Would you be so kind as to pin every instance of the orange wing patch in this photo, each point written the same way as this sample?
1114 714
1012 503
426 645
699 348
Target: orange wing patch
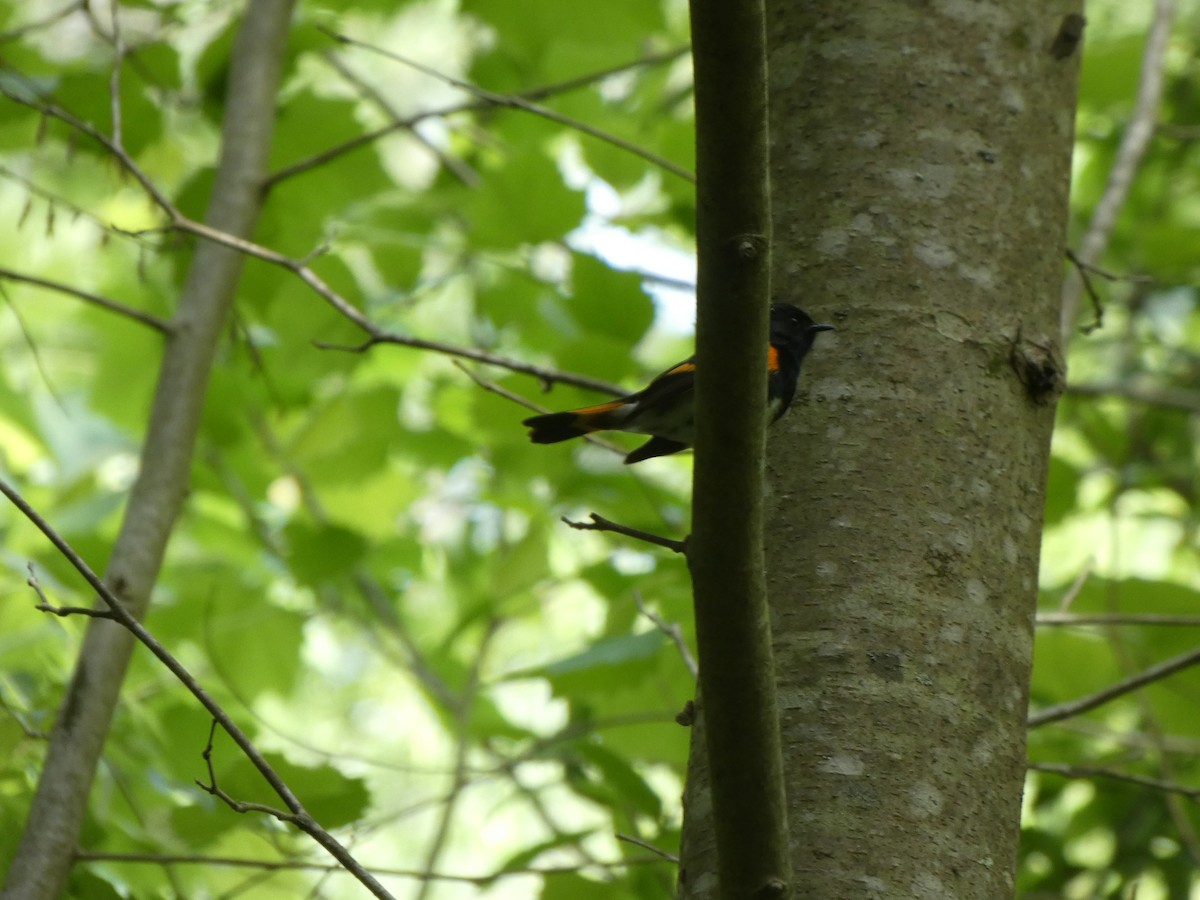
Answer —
680 369
772 359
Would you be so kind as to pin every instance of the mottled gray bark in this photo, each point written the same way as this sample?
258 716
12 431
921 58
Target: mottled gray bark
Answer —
920 170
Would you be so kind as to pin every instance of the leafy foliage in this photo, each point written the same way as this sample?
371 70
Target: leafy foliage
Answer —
371 574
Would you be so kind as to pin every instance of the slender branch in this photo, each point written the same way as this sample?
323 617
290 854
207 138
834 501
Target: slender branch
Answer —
77 212
1133 147
45 605
1148 676
51 832
599 523
137 315
1152 395
44 22
460 169
671 630
498 390
34 734
1135 739
1150 619
238 806
1176 132
34 352
638 842
122 616
410 123
1158 784
515 101
1085 279
269 865
545 375
460 779
1076 587
114 82
504 392
55 111
1107 274
739 728
1148 716
299 267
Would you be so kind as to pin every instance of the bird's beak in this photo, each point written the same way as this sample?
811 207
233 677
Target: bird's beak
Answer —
821 328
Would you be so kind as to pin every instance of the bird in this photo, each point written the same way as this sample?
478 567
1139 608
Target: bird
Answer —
664 409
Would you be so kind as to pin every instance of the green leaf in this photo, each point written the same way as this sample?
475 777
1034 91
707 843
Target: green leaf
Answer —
349 435
529 855
568 886
549 41
141 116
320 553
1062 484
608 652
523 202
627 786
609 302
255 645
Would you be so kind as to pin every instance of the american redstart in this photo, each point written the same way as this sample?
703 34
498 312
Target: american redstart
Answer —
664 408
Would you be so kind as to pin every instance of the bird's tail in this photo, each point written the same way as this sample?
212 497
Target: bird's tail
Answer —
562 426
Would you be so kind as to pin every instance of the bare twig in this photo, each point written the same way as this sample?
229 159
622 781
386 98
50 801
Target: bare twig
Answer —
410 123
1138 392
461 170
1077 707
1157 784
504 392
498 390
1072 593
34 352
1129 156
17 716
671 630
1177 132
299 816
514 101
1180 817
179 222
638 842
1107 274
237 806
144 318
599 523
273 865
1149 619
44 22
1085 279
546 376
77 212
33 101
114 82
44 604
460 780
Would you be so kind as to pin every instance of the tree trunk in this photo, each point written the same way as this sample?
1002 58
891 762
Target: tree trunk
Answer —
48 843
920 171
725 549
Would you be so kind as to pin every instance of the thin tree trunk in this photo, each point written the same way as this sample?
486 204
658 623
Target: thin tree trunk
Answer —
725 550
920 170
49 841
